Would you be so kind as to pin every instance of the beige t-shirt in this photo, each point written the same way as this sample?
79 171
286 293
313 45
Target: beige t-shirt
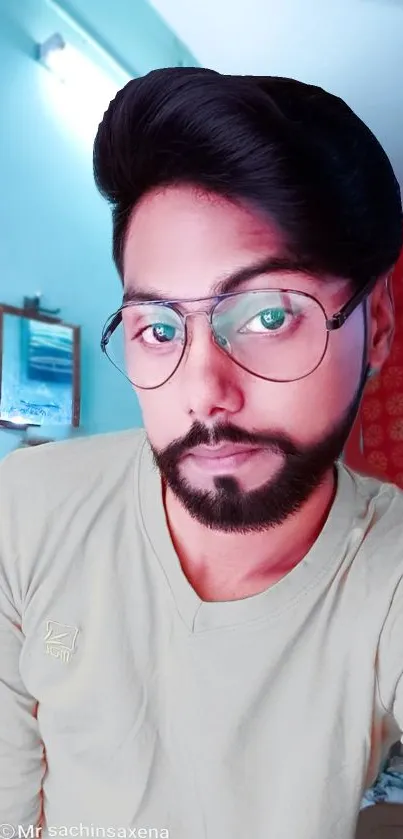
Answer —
135 709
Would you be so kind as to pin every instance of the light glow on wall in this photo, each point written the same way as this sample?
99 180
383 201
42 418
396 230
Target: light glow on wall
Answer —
83 90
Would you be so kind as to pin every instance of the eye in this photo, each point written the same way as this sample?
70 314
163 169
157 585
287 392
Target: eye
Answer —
268 320
222 341
158 333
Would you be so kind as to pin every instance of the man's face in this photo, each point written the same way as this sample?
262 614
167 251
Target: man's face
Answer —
280 438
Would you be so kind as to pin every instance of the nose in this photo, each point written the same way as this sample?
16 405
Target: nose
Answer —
210 381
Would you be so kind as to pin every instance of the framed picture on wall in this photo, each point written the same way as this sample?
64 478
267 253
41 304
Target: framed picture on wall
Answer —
39 370
48 351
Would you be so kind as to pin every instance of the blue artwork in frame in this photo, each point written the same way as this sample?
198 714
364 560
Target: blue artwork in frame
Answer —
40 371
49 352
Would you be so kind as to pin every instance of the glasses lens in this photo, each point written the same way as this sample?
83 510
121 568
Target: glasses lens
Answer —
147 345
275 334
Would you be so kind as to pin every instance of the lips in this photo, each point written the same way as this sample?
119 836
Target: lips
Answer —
218 460
224 451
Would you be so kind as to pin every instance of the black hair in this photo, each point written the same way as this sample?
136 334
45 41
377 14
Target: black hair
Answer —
291 150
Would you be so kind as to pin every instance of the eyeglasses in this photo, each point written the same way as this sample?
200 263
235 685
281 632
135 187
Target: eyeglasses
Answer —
279 335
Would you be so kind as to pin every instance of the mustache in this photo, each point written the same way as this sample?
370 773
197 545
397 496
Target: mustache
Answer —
201 435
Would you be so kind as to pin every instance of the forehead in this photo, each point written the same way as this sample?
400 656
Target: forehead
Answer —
185 243
183 235
198 212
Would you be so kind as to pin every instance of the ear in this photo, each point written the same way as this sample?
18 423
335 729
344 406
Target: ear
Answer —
381 323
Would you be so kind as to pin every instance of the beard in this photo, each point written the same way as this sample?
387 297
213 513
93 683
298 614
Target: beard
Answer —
230 508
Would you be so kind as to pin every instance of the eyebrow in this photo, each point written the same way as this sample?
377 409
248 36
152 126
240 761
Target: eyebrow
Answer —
271 265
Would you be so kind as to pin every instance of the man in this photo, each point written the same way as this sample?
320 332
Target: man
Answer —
202 623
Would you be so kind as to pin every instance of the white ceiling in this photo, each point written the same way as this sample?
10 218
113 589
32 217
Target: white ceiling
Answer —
353 48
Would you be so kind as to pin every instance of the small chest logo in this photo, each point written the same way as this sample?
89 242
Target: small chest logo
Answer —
60 640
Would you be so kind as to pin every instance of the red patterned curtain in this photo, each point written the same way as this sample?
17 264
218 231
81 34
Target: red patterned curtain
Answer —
375 446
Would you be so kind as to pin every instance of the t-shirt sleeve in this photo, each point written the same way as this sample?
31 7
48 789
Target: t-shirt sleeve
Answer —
22 762
390 659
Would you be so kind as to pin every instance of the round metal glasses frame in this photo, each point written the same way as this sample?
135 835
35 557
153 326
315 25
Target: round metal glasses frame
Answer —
336 321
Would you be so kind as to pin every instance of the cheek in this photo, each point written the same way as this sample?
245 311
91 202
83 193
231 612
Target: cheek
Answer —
342 366
308 408
161 416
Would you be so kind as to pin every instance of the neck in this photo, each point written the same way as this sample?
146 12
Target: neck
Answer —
231 566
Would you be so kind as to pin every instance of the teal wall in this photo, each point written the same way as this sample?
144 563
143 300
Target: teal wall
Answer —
55 231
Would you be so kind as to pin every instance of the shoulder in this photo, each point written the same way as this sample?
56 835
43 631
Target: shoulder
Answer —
50 472
378 587
52 492
378 526
383 498
371 486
